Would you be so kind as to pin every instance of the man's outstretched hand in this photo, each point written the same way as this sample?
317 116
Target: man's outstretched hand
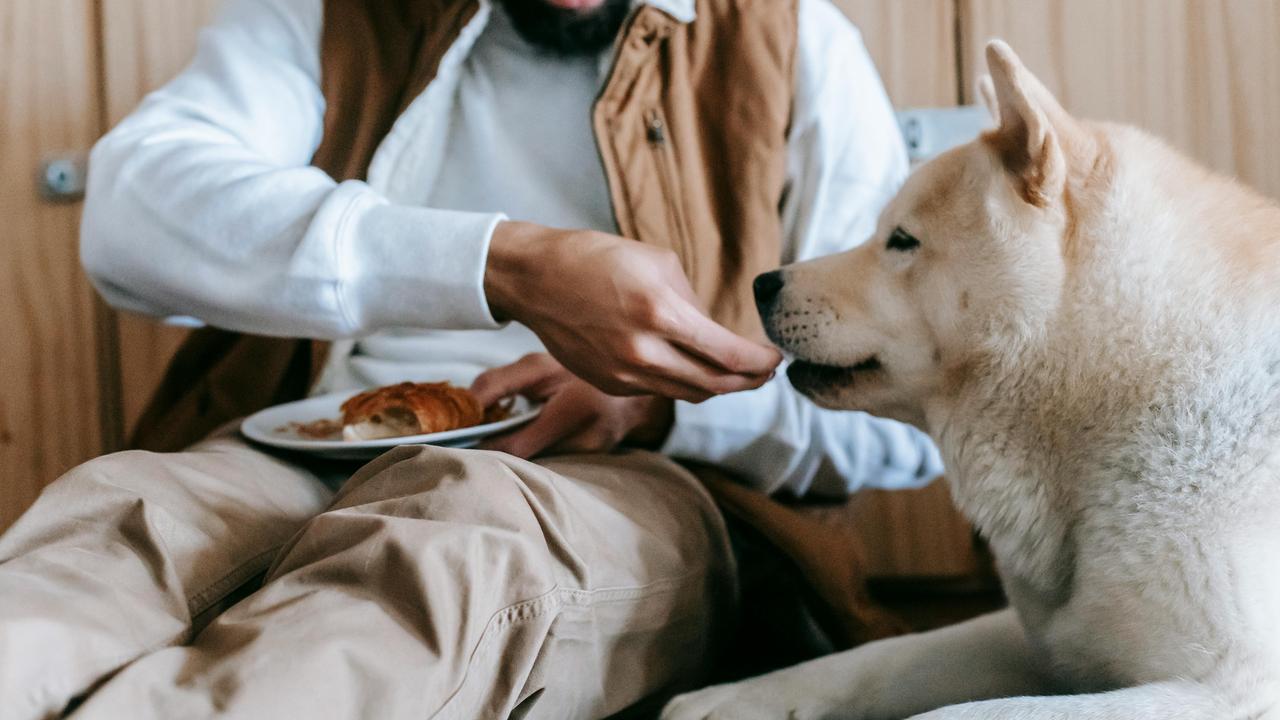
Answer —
575 418
617 313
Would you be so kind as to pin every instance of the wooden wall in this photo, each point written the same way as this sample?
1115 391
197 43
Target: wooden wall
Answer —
1203 74
50 323
913 43
145 42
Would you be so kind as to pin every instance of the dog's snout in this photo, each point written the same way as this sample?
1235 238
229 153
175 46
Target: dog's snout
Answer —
766 288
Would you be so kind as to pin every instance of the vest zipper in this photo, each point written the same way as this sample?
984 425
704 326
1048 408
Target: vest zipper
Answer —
623 34
655 131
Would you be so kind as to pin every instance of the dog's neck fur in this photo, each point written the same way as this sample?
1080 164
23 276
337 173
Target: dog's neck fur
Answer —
1069 421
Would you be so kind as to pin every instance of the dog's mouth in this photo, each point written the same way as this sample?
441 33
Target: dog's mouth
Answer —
806 375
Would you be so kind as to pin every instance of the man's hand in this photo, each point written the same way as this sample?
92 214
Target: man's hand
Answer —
576 417
618 313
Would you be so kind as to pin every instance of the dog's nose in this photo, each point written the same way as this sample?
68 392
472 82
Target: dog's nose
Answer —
766 288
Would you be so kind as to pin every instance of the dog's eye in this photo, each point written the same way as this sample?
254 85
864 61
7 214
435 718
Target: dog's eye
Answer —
902 241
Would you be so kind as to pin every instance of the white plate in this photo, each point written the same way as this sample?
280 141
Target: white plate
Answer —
272 427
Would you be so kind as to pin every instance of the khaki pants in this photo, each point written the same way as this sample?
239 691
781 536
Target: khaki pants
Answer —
435 584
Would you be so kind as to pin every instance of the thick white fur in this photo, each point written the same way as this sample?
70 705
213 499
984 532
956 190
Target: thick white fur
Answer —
1090 330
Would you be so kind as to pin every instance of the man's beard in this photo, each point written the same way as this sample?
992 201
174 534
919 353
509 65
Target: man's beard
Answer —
567 32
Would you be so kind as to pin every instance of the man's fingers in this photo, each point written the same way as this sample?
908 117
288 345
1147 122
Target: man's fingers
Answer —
654 368
676 373
722 348
663 387
723 384
522 375
557 421
716 344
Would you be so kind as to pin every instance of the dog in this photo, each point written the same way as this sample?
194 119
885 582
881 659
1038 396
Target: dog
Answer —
1088 325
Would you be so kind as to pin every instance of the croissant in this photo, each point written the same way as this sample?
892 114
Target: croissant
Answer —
409 409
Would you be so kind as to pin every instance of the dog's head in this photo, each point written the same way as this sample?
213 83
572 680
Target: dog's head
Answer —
967 262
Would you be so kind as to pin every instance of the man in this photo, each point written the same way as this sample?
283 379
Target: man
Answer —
455 137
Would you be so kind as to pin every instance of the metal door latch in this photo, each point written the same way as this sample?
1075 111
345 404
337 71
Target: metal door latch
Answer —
62 178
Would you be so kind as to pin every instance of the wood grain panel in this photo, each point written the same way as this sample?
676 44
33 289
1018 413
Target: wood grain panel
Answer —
49 397
918 532
1203 74
145 43
914 533
913 45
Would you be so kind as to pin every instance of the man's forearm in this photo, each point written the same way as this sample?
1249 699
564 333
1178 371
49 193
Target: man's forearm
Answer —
202 203
203 227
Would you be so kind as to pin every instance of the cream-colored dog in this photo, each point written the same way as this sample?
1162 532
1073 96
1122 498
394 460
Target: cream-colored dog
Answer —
1088 325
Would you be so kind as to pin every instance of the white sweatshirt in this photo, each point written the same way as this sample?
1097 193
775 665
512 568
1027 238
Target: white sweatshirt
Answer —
202 204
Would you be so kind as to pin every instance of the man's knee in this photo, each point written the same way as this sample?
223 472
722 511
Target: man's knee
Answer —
131 472
102 491
419 506
121 478
466 486
163 504
444 516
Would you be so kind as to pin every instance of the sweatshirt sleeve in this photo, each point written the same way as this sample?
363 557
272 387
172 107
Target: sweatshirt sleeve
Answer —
846 160
202 203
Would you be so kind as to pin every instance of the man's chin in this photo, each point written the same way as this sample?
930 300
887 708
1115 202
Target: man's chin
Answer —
569 28
576 5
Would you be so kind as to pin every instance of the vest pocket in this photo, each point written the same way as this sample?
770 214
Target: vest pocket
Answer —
657 136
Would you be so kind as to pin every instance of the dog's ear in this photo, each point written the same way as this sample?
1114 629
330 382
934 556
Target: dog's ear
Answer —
1028 139
987 93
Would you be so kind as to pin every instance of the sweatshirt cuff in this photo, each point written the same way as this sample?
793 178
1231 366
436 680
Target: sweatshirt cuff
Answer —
403 266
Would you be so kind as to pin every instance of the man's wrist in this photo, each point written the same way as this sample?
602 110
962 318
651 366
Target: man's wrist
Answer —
507 269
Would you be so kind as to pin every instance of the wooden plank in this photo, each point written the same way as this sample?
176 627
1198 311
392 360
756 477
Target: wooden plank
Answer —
49 398
145 43
146 347
1203 74
913 45
914 533
918 532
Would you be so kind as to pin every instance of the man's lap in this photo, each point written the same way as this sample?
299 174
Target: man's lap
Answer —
590 532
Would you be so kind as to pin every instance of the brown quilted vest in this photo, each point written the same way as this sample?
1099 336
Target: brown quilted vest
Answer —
691 126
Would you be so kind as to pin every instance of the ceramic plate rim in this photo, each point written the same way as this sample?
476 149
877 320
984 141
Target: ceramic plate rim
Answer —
254 428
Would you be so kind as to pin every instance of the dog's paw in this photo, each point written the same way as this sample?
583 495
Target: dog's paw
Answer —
750 700
718 702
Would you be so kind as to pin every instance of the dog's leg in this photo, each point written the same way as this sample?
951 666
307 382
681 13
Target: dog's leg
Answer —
986 657
1172 700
